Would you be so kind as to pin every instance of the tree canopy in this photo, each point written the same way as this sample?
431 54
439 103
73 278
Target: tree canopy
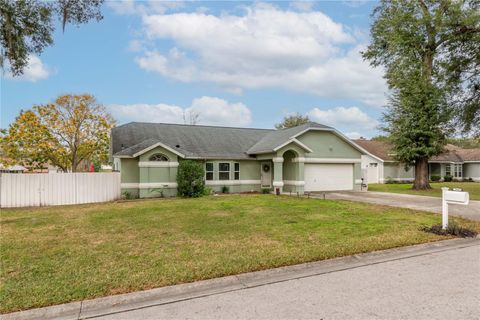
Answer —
291 121
27 26
429 50
63 133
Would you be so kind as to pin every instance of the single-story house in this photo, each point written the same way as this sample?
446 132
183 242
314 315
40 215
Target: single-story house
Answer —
379 165
310 157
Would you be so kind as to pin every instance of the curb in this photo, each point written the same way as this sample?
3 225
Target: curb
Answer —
88 309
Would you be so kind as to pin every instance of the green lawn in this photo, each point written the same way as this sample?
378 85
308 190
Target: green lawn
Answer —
54 255
472 187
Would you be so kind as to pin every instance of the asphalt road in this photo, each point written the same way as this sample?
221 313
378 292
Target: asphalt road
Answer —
431 285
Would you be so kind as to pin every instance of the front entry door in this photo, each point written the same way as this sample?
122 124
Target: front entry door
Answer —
266 174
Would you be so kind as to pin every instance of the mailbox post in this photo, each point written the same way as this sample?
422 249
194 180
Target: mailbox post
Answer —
452 197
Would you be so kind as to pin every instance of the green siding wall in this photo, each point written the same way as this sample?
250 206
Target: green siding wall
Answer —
328 145
129 171
397 171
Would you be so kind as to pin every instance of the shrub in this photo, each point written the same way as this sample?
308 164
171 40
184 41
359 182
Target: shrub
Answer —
225 189
128 196
452 229
448 178
266 191
390 181
208 191
190 179
435 178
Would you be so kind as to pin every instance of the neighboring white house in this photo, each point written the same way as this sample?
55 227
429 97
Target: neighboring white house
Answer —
379 166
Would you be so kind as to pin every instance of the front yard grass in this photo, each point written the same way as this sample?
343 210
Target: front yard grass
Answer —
472 187
54 255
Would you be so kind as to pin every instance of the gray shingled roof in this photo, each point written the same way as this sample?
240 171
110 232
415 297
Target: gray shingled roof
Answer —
205 142
192 141
278 137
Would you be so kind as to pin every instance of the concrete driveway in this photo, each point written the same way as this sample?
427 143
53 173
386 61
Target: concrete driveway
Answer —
423 203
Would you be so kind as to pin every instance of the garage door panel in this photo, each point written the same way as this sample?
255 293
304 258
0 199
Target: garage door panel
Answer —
328 177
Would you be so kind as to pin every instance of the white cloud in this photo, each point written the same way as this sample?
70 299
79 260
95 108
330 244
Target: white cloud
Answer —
354 135
266 47
210 111
34 71
342 117
134 7
302 5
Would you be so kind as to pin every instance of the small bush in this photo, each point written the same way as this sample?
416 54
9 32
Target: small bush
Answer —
208 191
390 181
435 178
128 196
266 191
190 179
448 178
225 189
452 229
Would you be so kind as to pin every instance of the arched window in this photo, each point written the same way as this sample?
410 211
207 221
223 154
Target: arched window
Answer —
158 157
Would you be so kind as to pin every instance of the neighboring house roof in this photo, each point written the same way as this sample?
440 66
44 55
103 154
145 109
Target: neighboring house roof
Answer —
469 154
207 142
383 150
380 149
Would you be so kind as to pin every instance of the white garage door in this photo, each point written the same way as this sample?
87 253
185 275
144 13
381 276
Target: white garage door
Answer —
328 177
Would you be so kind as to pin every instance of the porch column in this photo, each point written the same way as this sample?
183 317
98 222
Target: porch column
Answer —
301 176
278 173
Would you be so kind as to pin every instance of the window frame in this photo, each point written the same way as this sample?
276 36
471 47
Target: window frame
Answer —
236 172
220 172
150 158
209 171
448 169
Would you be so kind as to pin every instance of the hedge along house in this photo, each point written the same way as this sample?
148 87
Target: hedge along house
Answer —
379 165
310 157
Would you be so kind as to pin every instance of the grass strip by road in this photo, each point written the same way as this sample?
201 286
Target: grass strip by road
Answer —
55 255
406 188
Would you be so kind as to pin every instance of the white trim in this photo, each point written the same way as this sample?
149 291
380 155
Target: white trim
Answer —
292 140
299 159
331 160
231 182
122 157
278 159
277 183
158 144
157 164
471 161
148 185
129 185
294 183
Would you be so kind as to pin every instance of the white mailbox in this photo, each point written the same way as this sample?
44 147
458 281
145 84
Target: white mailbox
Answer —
455 196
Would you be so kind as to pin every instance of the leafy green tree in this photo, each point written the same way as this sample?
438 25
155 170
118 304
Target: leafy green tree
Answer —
63 133
427 48
27 26
190 179
291 121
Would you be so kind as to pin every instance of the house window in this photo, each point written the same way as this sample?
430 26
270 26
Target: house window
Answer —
209 171
224 171
158 157
448 170
236 171
458 171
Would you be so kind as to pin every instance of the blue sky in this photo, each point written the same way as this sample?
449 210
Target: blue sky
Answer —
232 63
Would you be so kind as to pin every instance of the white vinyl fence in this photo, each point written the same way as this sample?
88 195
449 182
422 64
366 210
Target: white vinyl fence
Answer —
43 189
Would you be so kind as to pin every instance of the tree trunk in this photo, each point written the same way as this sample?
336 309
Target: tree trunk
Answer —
421 175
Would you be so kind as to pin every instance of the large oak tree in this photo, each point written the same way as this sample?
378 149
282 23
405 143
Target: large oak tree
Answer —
430 52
